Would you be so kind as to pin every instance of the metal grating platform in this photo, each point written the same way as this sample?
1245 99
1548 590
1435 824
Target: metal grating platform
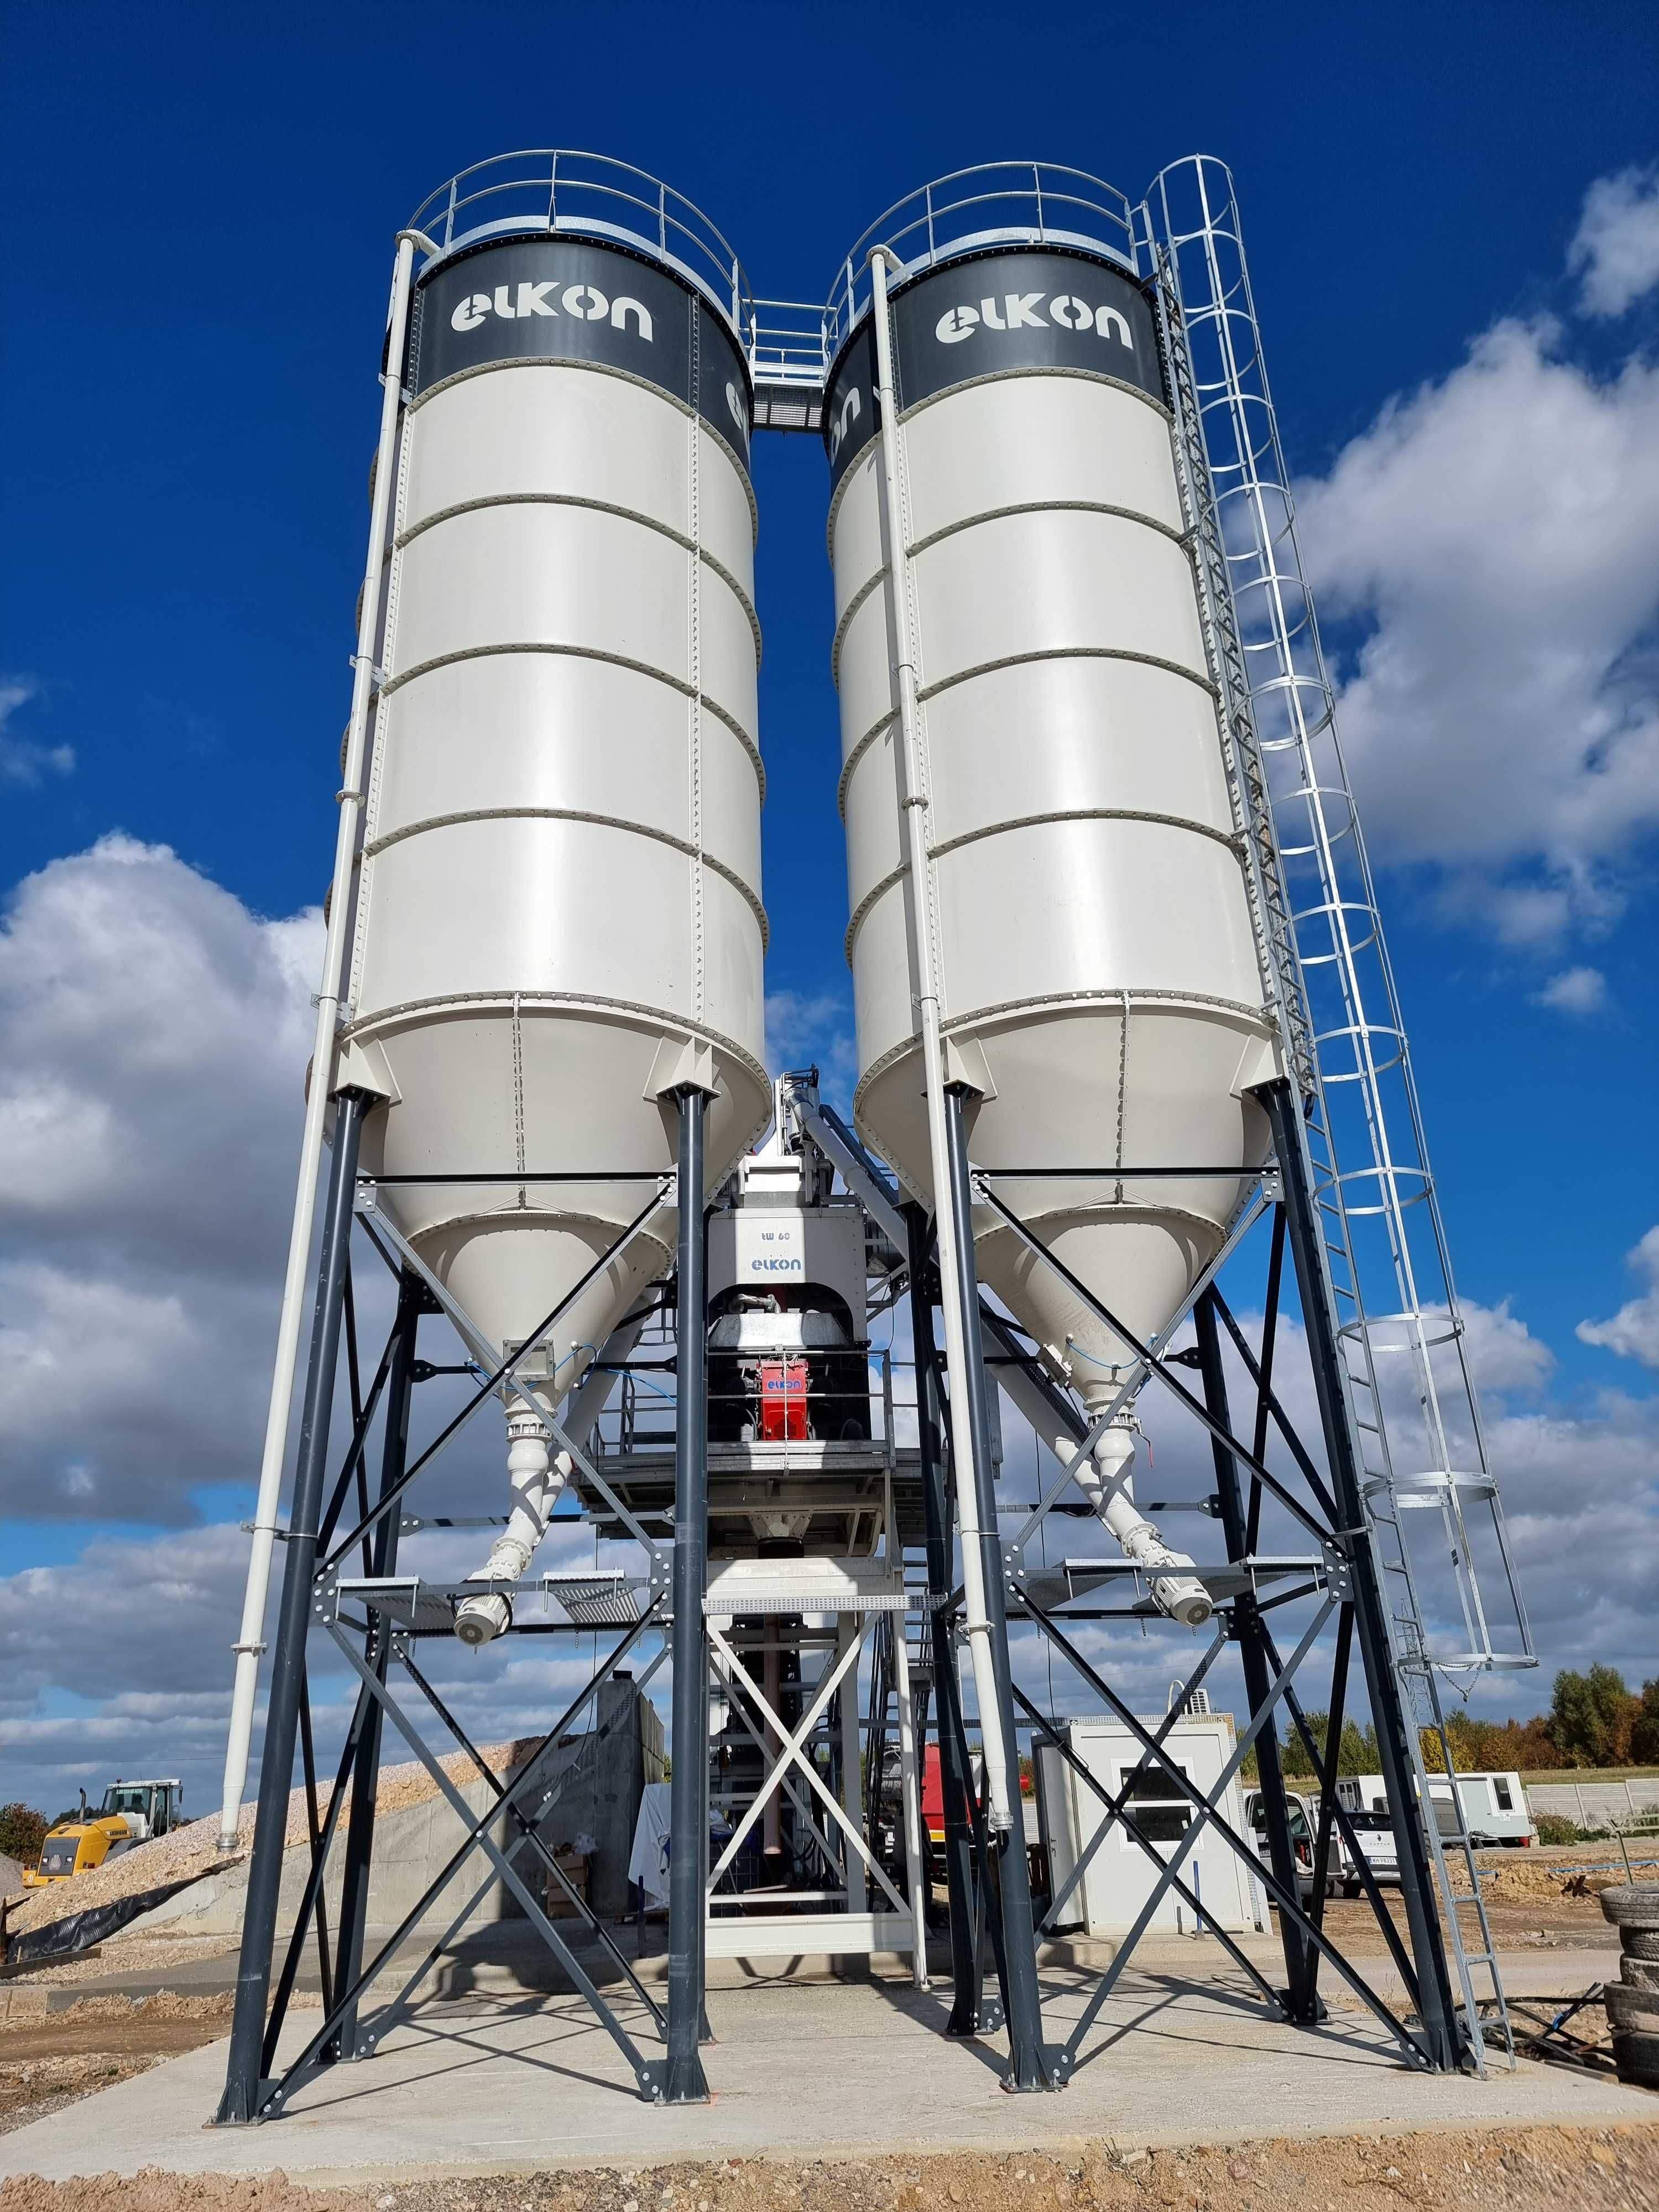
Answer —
1079 1577
588 1598
788 1586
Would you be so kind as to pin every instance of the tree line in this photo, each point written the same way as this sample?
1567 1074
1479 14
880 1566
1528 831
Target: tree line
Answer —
1594 1720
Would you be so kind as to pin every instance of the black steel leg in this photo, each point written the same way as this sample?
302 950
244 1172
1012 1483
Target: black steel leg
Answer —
240 2105
1029 2064
965 1951
412 1300
684 2082
1301 1959
1443 2041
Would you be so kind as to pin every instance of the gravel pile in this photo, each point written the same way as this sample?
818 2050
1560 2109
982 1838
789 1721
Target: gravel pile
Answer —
192 1851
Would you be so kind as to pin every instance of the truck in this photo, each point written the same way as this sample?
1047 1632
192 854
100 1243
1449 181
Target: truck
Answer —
1494 1804
132 1813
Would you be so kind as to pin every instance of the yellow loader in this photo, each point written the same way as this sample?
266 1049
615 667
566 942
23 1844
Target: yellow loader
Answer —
132 1813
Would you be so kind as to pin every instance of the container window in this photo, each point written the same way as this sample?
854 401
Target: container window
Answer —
1161 1816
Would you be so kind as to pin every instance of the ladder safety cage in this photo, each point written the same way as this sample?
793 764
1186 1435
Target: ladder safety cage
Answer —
1456 1609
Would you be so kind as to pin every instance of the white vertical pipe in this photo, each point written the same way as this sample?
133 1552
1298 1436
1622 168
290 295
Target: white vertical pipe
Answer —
250 1643
913 807
915 1859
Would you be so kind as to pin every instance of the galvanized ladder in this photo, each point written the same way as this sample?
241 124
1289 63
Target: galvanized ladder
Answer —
1291 945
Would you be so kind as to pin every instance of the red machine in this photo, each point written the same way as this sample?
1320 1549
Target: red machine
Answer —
782 1401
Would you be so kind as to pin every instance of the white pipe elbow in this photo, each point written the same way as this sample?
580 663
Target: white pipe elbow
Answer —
536 1479
1106 1482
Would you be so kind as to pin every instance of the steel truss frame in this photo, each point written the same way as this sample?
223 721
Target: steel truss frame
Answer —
1344 1582
316 1556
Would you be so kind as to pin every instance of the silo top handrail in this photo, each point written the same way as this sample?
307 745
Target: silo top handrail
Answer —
994 203
592 196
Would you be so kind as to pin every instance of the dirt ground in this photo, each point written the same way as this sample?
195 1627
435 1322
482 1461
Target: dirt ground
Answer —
46 2063
1577 2170
1535 1899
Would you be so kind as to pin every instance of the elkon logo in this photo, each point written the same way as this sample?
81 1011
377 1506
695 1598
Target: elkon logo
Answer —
851 408
585 301
1023 311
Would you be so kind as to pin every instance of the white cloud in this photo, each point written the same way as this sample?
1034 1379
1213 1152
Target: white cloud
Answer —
817 1027
1633 1331
149 1690
22 760
152 1043
1495 535
1615 250
1575 991
1504 1354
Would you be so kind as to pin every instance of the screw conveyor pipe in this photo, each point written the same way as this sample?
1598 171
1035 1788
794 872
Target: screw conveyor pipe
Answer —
250 1641
913 804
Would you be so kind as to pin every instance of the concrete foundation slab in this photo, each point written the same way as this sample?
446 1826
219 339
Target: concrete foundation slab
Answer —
485 2084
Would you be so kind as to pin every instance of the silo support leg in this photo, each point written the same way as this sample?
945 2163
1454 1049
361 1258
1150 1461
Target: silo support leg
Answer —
412 1301
683 2080
1301 1959
966 1949
1441 2040
1032 2063
240 2103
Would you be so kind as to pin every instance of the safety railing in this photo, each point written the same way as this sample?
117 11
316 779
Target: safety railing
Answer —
590 196
788 342
996 203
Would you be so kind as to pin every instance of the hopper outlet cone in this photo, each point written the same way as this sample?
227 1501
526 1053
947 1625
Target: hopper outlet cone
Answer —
507 1272
1140 1264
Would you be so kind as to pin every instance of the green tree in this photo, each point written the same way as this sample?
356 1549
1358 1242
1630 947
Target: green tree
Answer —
1592 1717
22 1831
1644 1728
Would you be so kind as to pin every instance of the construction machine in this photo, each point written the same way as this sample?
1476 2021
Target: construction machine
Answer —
132 1813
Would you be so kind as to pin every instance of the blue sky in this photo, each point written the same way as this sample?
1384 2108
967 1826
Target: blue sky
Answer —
200 207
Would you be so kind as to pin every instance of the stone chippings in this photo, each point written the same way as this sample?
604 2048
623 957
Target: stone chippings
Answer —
1565 2170
193 1851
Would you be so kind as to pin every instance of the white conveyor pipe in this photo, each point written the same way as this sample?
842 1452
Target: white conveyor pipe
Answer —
913 807
1106 1481
537 1477
250 1643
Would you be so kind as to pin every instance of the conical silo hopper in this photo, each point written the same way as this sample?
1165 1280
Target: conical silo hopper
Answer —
559 911
1096 961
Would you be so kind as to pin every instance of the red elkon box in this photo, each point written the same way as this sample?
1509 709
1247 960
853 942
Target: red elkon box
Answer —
783 1401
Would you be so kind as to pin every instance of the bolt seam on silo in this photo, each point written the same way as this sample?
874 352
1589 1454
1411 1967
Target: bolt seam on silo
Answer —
694 643
633 828
584 653
1070 652
1181 537
518 1092
600 368
633 514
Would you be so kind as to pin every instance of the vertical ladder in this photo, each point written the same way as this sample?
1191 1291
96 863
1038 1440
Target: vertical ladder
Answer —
1322 947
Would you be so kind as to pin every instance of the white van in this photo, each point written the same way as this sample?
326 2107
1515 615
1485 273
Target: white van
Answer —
1494 1805
1371 1831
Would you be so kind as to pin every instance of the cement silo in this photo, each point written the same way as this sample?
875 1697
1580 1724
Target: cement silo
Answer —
559 905
1086 909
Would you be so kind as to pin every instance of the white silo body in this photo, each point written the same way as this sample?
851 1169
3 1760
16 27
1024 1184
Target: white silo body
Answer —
560 891
1095 957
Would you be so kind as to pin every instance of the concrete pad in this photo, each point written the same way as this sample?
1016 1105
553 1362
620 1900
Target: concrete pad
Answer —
483 2086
